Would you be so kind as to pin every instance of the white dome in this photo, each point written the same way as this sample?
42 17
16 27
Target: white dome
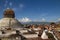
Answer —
9 22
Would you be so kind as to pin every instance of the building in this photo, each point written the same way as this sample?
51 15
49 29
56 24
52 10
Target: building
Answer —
9 20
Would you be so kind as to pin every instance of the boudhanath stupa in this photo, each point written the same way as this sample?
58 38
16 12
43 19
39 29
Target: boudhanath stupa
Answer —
9 20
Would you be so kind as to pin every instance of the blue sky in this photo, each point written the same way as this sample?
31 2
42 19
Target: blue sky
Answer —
33 9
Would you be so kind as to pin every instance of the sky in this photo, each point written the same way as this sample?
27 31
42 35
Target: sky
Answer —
36 10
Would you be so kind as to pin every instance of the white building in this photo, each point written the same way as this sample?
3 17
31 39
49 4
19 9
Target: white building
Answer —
9 20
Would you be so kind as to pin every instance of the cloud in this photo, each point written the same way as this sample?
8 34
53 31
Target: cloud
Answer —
10 3
21 5
25 20
43 19
58 19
